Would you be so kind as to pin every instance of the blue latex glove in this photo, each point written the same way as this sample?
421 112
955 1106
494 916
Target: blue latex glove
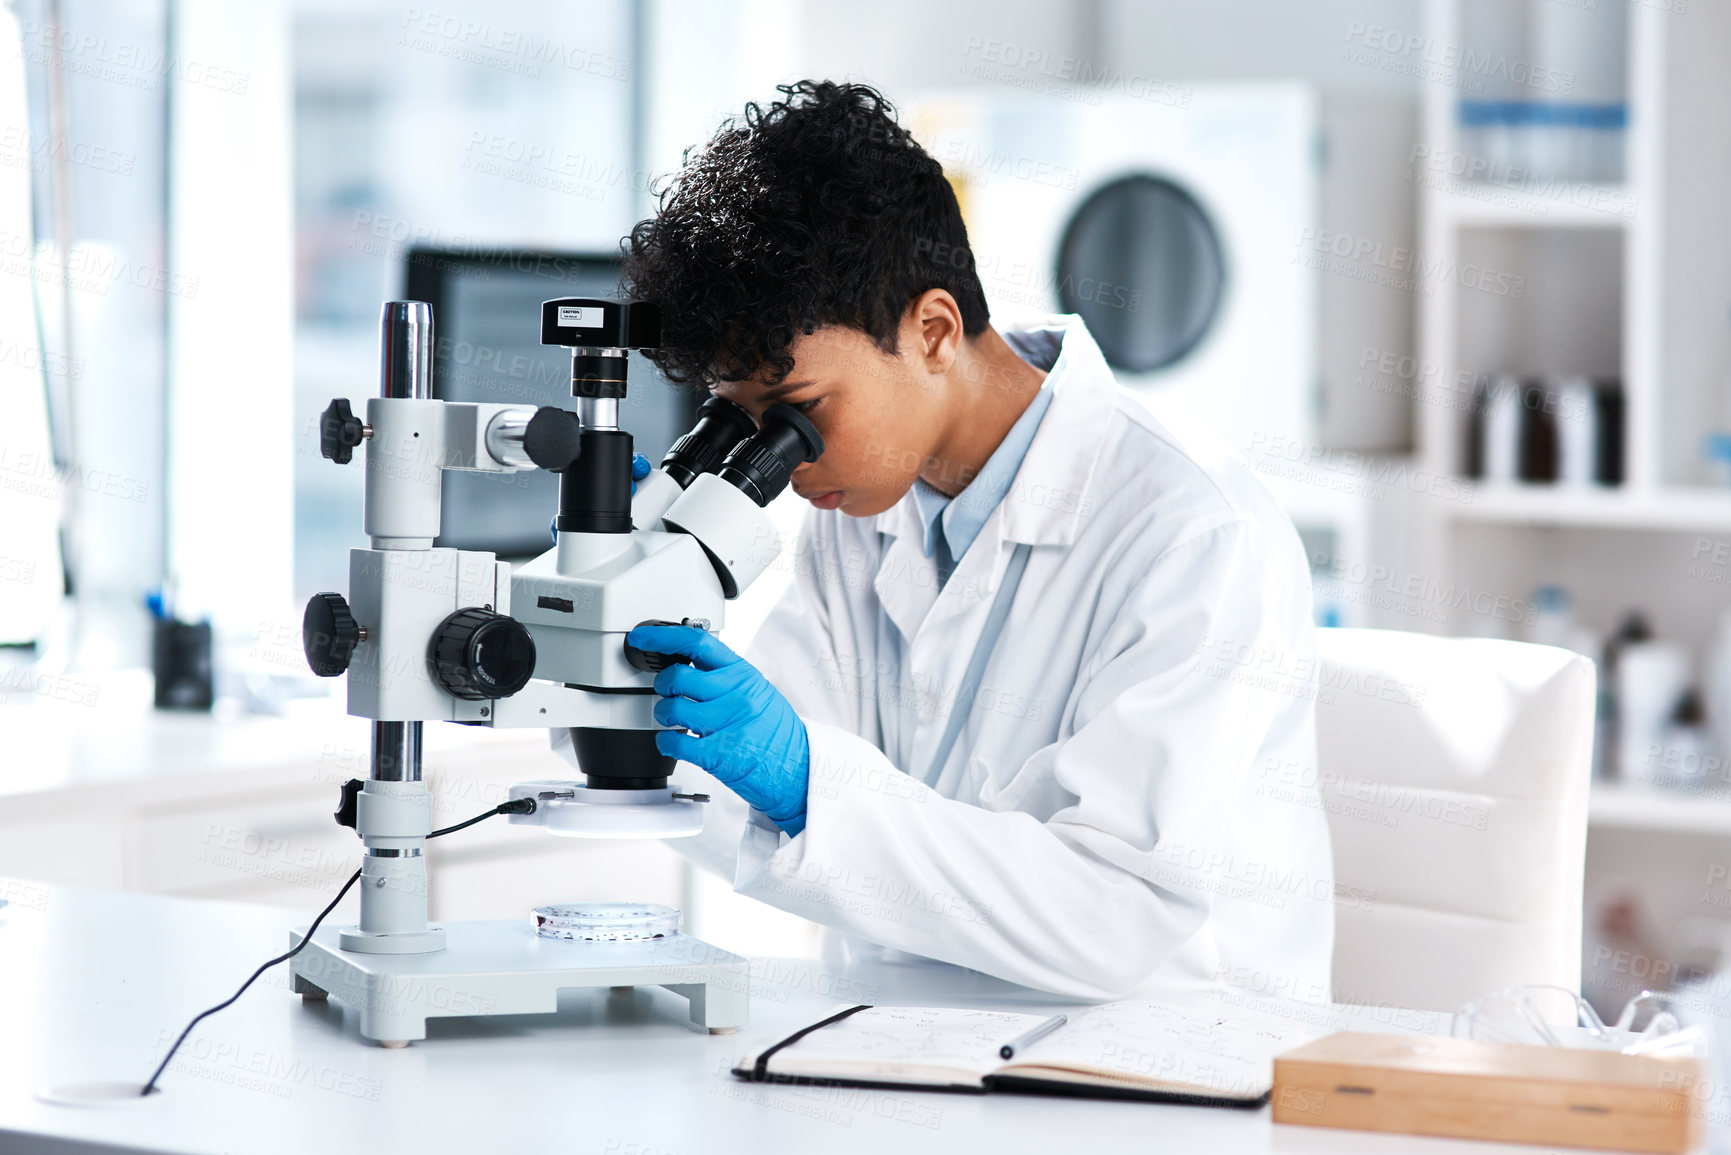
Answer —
639 470
741 729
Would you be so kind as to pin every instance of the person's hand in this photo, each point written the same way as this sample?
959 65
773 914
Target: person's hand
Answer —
736 725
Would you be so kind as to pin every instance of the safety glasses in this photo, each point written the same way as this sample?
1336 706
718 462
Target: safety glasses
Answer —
1554 1016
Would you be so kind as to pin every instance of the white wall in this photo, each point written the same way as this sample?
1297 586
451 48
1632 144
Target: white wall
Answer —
708 58
229 464
905 43
1253 39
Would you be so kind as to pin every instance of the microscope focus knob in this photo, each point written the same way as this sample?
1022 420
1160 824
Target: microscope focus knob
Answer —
340 431
329 634
478 654
653 661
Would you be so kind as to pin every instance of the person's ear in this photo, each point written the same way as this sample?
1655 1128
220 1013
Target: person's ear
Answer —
935 324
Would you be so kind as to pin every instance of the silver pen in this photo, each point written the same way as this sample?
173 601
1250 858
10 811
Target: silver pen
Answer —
1008 1050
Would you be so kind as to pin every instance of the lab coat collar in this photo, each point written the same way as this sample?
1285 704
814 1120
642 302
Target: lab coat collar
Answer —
1049 496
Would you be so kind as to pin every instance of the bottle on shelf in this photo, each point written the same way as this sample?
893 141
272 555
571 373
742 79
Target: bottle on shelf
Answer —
1560 110
1718 704
1683 759
1652 679
1577 420
1632 630
1716 453
1498 440
1583 115
1554 623
1564 429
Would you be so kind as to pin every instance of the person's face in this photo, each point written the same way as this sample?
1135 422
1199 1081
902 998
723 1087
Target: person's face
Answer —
880 416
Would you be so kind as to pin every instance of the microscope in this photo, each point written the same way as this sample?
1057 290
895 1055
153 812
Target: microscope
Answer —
429 633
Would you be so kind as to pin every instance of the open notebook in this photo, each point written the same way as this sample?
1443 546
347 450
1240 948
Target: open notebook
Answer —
1114 1051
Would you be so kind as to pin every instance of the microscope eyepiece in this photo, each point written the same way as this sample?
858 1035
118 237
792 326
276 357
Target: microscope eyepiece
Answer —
760 465
721 425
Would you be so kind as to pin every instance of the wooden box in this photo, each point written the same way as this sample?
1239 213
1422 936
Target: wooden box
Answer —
1502 1091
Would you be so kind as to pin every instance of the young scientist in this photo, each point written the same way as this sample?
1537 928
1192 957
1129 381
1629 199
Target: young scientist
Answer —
1038 701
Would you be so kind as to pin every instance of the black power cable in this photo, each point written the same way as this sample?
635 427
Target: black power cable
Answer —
286 955
515 806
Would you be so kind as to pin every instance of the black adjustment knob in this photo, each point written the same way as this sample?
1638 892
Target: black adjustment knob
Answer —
348 810
654 661
478 654
339 432
553 438
329 634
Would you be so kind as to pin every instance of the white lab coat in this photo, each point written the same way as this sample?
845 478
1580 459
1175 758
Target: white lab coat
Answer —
1119 816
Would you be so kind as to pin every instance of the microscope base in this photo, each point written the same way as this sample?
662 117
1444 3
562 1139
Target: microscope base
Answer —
505 968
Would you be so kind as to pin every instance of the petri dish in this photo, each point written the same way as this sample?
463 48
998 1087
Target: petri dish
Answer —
606 921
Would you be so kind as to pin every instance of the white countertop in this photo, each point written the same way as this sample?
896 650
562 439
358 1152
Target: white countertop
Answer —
94 985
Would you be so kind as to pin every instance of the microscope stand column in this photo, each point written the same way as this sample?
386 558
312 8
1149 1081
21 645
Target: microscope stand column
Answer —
393 816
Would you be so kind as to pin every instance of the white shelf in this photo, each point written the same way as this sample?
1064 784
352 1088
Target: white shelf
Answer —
1534 204
1617 807
1672 509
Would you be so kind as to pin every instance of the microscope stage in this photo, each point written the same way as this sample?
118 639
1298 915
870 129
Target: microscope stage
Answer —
505 968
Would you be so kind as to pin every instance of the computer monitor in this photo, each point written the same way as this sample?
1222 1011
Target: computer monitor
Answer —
487 347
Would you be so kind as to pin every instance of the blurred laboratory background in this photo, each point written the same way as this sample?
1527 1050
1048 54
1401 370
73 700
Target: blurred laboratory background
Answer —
1454 277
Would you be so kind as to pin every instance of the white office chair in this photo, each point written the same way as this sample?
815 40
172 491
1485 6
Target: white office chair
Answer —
1455 775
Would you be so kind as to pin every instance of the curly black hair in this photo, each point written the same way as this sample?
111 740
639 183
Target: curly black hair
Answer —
818 210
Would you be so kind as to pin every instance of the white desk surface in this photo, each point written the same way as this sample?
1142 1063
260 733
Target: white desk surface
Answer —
94 986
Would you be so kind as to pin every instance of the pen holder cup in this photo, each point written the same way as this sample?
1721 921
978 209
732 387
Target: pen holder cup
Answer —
180 661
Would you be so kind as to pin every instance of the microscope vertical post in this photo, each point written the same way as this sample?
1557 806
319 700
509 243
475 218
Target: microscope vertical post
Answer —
394 810
405 371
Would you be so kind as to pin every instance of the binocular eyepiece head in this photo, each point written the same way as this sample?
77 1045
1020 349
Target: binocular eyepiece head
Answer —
756 461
